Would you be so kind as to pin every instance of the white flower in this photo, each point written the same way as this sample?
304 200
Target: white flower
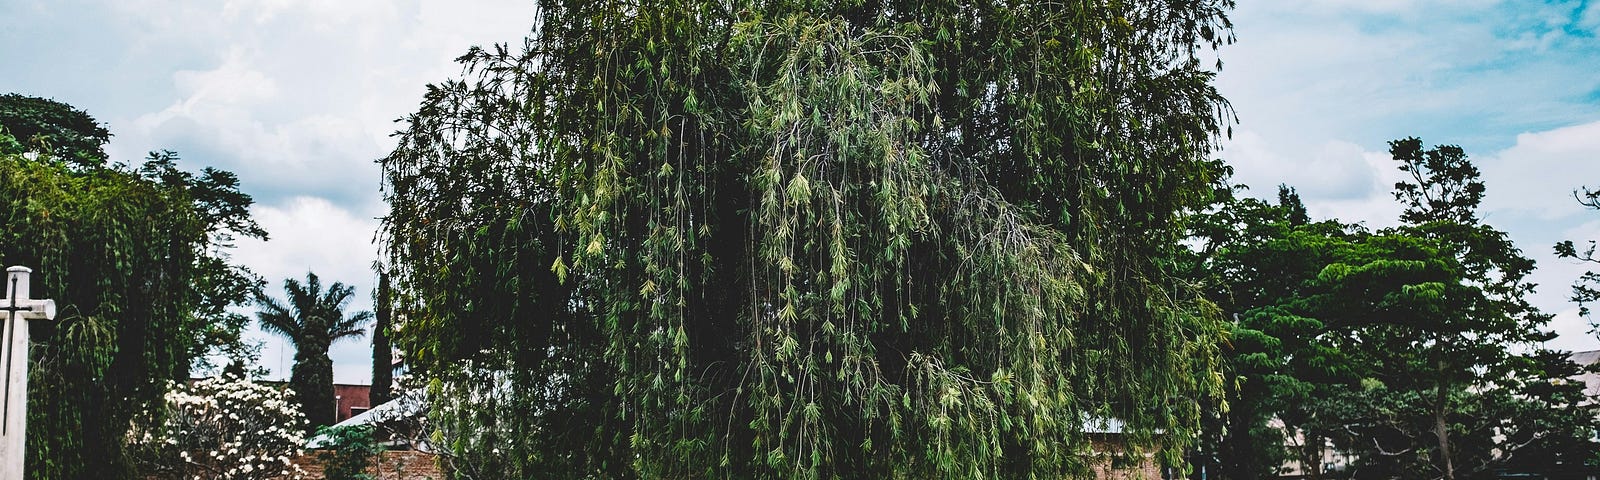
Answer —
241 426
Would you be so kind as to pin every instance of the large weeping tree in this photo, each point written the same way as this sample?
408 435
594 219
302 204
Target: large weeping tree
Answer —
892 239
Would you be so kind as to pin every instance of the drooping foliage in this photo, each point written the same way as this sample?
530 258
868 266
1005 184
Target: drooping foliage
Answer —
312 320
812 240
136 257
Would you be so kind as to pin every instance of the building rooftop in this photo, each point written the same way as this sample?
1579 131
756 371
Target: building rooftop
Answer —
1591 379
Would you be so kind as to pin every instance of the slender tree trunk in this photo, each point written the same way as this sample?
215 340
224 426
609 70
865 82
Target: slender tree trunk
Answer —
1311 454
382 355
1441 428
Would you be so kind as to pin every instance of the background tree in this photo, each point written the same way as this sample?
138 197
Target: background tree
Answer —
1403 347
312 320
1262 260
798 239
1451 335
137 258
71 135
382 351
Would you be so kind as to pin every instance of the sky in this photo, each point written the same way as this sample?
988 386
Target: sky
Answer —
299 98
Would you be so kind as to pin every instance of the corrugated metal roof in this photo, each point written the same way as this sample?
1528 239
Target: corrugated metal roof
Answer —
1591 380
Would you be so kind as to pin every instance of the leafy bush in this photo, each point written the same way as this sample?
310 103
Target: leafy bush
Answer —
223 428
350 452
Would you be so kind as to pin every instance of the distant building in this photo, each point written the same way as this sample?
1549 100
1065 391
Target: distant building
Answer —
1591 380
350 400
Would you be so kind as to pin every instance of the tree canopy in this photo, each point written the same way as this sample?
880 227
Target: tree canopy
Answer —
137 258
812 239
1411 350
71 135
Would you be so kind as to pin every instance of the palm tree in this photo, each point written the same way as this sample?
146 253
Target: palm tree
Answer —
312 321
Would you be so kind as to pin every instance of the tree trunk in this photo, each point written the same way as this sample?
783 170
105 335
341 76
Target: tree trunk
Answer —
1311 454
1441 428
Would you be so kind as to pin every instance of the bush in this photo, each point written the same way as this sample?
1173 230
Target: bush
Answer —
223 428
349 453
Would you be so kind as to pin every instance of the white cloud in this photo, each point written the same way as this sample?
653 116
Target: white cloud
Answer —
320 14
1336 179
310 234
1590 19
1538 175
1333 170
233 83
1555 277
1575 337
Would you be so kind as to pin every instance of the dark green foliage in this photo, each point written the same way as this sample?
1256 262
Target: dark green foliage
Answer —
134 258
1444 185
1402 347
69 134
1261 260
312 320
349 453
382 352
913 239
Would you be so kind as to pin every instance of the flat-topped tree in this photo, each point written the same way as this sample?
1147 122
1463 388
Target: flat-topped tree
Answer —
312 320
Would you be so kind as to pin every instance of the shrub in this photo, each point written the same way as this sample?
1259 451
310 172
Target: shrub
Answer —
350 452
223 428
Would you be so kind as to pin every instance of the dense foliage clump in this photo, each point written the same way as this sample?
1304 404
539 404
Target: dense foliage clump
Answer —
1405 352
136 257
884 239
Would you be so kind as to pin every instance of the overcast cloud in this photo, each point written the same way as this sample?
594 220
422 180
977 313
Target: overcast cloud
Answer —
299 96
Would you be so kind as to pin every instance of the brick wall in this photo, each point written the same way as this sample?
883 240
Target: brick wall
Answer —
1145 469
350 397
393 465
415 465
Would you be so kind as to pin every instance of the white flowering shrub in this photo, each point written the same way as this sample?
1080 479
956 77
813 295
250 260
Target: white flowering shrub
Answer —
223 428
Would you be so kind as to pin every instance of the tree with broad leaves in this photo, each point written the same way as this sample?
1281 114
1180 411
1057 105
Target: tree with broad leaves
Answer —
1410 349
72 136
1433 318
137 258
312 320
1261 260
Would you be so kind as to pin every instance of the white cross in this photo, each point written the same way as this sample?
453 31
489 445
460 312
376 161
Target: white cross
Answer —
14 359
